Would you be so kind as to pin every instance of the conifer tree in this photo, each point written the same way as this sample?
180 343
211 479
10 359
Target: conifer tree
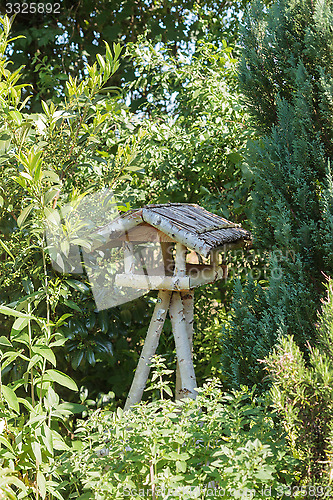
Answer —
286 76
302 395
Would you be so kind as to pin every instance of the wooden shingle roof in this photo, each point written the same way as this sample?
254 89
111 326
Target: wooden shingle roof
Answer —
186 223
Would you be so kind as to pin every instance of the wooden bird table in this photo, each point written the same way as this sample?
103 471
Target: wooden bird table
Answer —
176 296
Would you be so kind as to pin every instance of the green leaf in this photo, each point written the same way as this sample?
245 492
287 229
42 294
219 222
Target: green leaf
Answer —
11 356
235 157
4 137
36 449
77 358
51 175
36 419
50 194
100 61
61 379
85 496
4 341
59 342
265 474
173 455
45 108
52 216
5 247
24 214
73 407
41 483
6 443
58 442
72 305
46 353
19 324
181 466
20 337
51 400
78 285
16 116
54 492
26 403
12 312
167 389
104 321
10 398
33 361
63 318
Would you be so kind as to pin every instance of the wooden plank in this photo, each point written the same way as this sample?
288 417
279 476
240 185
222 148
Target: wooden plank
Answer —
145 232
168 261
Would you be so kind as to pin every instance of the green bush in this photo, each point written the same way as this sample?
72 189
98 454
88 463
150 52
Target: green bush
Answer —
302 394
230 443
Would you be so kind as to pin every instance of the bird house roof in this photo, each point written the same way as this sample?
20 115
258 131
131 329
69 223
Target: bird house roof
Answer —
186 223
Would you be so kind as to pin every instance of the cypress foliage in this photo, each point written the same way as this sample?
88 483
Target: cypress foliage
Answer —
302 395
286 76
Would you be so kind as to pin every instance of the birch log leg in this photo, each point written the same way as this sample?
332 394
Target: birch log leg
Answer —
183 349
180 270
149 349
188 308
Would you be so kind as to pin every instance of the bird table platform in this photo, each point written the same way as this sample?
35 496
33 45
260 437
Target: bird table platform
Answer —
177 229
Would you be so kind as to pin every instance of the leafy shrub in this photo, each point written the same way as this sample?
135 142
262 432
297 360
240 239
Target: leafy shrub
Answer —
302 394
39 154
181 450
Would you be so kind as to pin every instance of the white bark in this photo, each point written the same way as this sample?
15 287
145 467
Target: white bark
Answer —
149 349
146 282
198 277
129 259
117 226
187 238
180 260
185 376
188 308
183 349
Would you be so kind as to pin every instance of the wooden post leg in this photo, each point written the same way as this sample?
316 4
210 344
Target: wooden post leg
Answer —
149 349
183 348
188 307
168 261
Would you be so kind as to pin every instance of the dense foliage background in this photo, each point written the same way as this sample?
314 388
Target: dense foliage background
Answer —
199 102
